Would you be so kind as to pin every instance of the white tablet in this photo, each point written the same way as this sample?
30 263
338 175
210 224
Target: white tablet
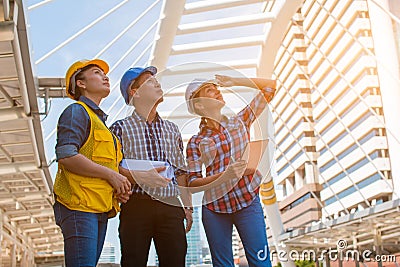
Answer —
254 152
145 165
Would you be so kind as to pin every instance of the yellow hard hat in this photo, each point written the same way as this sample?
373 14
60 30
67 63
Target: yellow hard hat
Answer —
76 67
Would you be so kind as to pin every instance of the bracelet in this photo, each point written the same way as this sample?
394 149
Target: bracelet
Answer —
269 89
268 93
189 208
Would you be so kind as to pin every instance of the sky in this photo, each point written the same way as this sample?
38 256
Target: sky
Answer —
52 24
63 31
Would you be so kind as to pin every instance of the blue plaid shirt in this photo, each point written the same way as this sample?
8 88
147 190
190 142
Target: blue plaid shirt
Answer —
160 140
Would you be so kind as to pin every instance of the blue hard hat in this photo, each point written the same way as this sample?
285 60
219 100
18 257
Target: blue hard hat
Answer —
130 75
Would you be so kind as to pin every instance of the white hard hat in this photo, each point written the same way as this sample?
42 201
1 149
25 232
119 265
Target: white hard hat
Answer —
191 90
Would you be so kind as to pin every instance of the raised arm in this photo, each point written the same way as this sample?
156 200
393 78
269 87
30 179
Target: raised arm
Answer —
257 83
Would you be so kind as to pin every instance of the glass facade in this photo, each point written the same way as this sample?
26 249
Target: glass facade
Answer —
108 254
194 250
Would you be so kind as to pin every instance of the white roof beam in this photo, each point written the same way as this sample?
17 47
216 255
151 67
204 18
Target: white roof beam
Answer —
51 82
209 5
23 212
224 23
8 114
170 17
6 154
39 4
7 96
8 79
204 67
285 10
21 196
6 9
29 216
7 30
31 227
17 167
182 116
215 45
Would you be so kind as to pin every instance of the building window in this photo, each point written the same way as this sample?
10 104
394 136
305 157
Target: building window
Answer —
394 6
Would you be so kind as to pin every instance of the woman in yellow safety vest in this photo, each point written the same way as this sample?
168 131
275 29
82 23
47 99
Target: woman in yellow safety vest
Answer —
87 184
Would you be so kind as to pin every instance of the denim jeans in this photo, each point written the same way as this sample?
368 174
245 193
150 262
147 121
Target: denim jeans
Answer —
84 234
250 224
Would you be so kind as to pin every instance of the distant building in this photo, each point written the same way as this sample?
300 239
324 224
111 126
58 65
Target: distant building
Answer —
194 250
336 125
108 254
205 251
236 245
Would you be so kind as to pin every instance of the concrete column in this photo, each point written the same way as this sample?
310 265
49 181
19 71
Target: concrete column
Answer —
276 226
24 260
327 261
13 255
340 261
378 244
298 179
389 78
310 173
289 186
32 259
1 238
263 128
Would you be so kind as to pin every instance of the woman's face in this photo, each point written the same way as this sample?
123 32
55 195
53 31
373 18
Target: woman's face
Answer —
210 98
94 83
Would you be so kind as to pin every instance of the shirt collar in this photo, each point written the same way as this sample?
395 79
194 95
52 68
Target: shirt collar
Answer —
205 127
137 116
103 116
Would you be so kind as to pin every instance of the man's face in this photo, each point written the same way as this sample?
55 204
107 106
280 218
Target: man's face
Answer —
149 89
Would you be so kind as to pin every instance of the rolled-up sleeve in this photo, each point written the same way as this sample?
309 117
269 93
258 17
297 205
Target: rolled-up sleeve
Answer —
253 110
117 130
72 131
194 163
181 167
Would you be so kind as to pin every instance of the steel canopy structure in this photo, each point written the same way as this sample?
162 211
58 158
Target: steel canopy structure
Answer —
27 223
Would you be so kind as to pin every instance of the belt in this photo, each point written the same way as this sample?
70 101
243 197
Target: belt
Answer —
148 197
177 199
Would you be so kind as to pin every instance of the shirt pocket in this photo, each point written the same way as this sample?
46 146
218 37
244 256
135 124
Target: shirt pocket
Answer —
96 195
103 148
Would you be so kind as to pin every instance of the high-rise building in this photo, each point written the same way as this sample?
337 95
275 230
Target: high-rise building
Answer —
338 70
236 246
194 250
108 254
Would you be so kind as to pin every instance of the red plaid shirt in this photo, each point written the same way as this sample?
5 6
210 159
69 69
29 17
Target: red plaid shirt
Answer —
215 148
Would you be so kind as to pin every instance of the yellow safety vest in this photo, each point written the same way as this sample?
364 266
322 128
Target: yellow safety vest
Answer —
91 194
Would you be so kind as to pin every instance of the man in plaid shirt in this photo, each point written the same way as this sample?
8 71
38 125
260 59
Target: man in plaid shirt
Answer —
153 211
231 191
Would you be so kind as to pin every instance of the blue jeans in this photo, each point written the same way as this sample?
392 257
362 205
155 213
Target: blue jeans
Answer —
250 224
84 234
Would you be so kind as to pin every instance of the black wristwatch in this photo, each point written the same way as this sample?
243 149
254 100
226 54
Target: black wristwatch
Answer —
189 208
